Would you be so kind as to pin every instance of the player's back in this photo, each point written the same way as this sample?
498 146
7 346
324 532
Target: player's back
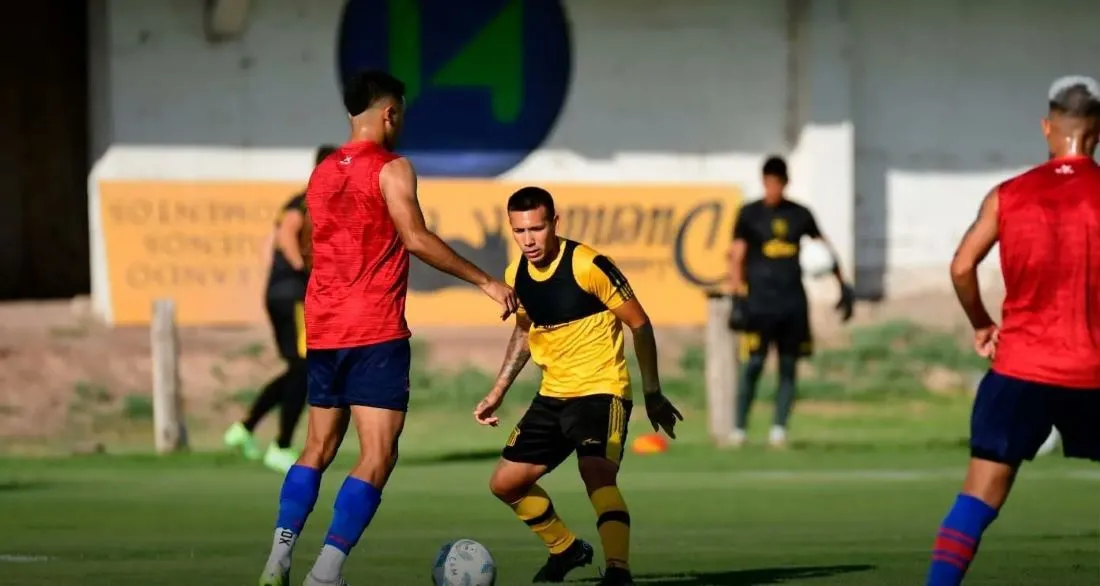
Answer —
358 284
1049 235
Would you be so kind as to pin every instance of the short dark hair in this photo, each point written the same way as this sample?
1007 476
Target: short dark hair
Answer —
530 198
775 166
323 152
1075 97
364 88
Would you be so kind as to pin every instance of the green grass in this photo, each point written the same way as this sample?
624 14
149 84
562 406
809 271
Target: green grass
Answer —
876 460
855 504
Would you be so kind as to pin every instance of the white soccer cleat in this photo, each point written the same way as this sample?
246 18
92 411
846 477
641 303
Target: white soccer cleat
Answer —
275 575
777 438
738 438
311 581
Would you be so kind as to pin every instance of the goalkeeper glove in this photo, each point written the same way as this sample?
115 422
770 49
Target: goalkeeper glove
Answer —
847 302
739 313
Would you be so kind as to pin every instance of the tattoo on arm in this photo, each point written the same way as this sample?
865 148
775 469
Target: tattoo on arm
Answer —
515 358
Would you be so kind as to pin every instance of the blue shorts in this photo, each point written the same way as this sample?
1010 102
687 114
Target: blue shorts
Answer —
1013 417
370 376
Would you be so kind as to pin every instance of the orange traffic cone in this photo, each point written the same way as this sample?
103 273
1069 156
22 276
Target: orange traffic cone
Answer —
649 443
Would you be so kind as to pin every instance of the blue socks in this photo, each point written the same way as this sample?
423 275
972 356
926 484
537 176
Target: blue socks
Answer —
958 539
299 495
355 506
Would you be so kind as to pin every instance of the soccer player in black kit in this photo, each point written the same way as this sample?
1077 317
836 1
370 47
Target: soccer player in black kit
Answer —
286 290
769 301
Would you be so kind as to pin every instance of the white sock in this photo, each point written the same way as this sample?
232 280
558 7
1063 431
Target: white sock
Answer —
329 564
282 549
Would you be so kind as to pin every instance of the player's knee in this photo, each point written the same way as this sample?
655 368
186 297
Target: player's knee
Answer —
511 482
989 481
318 453
380 454
597 472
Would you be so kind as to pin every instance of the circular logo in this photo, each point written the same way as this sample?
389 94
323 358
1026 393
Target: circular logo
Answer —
485 80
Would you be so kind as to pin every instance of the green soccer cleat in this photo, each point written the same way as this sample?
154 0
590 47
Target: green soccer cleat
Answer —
280 459
558 565
239 438
311 581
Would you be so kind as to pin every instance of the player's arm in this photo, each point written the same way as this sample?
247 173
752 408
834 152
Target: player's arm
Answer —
604 280
287 234
515 357
974 247
738 248
398 181
846 304
814 232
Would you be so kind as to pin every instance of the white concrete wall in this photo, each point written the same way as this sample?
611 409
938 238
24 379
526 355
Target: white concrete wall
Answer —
900 115
658 93
947 101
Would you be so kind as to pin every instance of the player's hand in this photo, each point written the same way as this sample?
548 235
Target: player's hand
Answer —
739 314
847 302
985 341
485 409
504 295
662 414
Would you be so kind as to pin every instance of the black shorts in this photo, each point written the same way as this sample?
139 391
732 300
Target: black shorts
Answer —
789 332
1012 418
551 429
288 324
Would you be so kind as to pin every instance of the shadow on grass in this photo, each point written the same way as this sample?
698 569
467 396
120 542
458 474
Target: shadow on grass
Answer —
22 485
453 457
754 577
937 444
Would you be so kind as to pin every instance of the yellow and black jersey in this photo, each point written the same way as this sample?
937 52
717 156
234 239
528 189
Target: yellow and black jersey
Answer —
772 236
575 338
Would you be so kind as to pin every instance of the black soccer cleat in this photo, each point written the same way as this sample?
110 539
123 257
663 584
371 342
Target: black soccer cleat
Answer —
617 577
558 565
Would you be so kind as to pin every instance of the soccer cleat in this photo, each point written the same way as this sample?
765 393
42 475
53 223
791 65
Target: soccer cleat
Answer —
275 575
617 577
239 438
280 459
778 437
558 565
311 581
737 438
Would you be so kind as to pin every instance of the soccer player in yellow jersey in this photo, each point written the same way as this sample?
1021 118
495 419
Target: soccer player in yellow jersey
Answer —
573 304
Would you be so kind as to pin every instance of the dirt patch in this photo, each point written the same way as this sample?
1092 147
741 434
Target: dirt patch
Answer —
60 371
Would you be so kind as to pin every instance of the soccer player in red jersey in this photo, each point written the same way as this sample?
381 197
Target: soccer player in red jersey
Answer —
1046 353
365 220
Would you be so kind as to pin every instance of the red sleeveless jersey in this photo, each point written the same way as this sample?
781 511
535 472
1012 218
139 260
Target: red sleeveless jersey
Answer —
1049 233
360 275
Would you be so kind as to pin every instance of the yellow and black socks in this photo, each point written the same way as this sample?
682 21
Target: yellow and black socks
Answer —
613 523
537 511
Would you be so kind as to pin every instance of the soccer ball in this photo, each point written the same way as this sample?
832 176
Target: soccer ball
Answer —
464 563
815 258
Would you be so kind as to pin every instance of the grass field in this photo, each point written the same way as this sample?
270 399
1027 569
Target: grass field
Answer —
856 502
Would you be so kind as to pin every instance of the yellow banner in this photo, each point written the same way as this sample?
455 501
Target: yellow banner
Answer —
207 245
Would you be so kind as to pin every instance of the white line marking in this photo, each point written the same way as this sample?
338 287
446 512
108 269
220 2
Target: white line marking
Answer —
23 559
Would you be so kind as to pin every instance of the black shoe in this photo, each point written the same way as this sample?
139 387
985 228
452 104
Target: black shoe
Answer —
617 577
558 565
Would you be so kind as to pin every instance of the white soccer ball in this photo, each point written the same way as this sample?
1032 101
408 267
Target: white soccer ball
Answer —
464 563
815 258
